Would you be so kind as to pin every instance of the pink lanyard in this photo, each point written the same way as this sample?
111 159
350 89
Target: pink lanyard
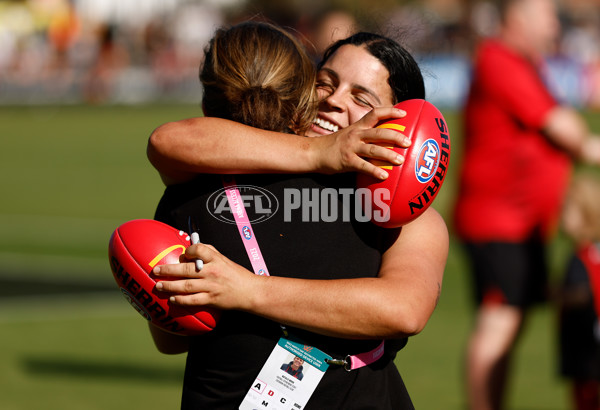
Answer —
236 203
259 266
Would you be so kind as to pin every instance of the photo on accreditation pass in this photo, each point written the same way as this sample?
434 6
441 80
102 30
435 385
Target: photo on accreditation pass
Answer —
286 381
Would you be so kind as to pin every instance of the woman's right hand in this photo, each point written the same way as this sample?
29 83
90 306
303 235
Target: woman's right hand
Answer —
353 147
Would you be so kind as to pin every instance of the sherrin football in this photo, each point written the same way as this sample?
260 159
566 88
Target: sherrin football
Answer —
134 249
411 187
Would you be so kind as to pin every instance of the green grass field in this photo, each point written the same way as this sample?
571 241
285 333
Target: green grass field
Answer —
69 176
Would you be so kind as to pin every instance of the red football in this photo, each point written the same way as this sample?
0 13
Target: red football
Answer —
411 187
134 249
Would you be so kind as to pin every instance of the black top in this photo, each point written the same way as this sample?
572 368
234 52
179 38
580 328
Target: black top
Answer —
578 320
288 215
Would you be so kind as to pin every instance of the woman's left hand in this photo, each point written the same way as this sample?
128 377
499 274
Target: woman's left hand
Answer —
220 283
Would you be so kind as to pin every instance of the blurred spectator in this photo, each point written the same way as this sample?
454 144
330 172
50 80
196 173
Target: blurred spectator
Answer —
326 27
593 86
159 46
63 29
581 44
433 26
579 296
518 148
111 60
49 47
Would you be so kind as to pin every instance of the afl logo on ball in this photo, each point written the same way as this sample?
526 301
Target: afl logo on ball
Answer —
427 161
247 232
136 305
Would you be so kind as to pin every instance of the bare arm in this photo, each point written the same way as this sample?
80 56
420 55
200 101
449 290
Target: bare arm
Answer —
566 128
397 303
179 150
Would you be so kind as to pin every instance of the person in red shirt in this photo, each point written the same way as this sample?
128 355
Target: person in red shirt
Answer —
519 146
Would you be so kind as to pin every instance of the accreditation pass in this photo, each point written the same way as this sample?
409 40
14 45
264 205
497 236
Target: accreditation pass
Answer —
288 378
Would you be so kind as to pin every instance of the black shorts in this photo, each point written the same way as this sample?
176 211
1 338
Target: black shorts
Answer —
513 274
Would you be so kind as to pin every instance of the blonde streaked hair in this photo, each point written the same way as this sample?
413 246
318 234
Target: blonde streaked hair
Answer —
584 193
260 75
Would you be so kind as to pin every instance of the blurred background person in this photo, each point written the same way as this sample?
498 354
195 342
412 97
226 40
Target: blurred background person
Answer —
518 151
579 294
325 28
111 60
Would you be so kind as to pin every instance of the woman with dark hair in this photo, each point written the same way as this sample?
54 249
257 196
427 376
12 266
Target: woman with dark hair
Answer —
342 286
405 78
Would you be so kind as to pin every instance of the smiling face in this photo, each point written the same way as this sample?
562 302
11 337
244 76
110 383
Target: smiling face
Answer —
297 363
350 84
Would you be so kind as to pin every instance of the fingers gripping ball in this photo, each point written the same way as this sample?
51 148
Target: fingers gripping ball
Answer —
134 249
411 187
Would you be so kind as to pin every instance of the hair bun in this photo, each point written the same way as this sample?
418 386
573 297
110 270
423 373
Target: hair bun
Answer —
261 107
259 93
